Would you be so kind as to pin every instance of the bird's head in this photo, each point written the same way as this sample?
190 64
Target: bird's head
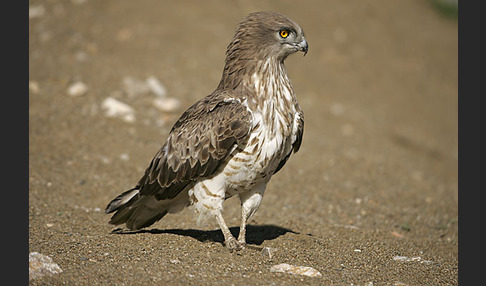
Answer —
268 34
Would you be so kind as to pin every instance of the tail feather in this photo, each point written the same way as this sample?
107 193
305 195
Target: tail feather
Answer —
121 200
138 211
144 217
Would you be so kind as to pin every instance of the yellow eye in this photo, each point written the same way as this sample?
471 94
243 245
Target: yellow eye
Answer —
284 33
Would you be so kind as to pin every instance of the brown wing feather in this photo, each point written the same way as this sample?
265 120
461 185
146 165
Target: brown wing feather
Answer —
300 133
197 145
296 144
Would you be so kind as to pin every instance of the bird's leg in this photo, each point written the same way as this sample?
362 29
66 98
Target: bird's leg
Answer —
250 201
244 219
229 240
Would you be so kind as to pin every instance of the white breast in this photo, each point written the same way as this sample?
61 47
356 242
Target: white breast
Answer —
259 159
272 134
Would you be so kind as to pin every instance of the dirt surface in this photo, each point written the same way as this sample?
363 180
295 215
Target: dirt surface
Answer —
372 197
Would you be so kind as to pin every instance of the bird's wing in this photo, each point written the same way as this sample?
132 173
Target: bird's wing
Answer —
299 134
296 140
197 145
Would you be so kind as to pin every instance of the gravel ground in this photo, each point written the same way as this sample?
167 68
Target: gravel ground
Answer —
371 198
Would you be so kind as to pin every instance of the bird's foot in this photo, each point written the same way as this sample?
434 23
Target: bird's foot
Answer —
234 245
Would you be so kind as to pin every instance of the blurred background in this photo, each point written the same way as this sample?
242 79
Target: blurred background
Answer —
379 88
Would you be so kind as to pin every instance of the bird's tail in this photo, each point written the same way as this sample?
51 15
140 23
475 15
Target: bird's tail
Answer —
121 200
138 211
134 210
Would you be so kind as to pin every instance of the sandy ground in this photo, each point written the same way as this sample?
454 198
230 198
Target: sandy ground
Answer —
371 198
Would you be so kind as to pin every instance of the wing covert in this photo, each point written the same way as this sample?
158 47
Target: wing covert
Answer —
197 145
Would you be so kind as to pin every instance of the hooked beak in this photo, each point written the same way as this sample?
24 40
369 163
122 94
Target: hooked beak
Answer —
303 46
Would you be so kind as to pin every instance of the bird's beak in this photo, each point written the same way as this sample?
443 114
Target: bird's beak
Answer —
303 46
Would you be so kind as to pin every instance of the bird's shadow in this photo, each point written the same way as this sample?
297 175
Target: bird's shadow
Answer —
255 234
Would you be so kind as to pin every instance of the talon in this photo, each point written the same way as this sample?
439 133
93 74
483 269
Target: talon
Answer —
242 243
232 244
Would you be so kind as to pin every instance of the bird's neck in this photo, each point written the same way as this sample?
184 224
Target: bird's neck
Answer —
270 82
261 79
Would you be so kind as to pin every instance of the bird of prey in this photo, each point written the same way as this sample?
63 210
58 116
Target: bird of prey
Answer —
230 142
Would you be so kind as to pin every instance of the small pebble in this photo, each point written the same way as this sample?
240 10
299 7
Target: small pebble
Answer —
124 157
411 259
396 234
166 104
36 11
41 265
300 270
77 89
156 86
34 87
104 159
268 251
115 108
134 87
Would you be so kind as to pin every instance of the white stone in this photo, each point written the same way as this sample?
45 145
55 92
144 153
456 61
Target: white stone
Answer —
125 157
300 270
411 259
166 104
134 87
77 89
156 86
34 86
41 265
115 108
36 11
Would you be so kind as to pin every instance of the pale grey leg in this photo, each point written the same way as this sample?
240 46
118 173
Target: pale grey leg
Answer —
244 219
250 202
229 240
